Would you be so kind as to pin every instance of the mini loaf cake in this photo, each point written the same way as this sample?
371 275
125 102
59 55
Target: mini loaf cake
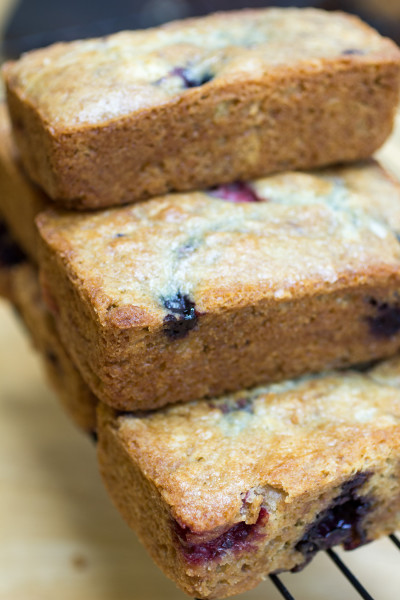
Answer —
20 200
201 102
76 397
224 492
193 295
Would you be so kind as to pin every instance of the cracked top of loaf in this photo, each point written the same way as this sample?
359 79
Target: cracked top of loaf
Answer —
281 237
208 459
97 80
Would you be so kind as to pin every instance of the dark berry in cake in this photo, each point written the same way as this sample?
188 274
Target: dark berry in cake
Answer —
187 248
352 52
191 79
340 523
235 192
386 321
182 316
238 538
240 404
53 359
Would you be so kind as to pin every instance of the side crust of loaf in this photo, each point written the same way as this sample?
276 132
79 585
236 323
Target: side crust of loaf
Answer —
137 367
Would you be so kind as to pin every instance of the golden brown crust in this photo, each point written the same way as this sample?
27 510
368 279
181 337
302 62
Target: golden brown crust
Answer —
290 448
132 130
190 295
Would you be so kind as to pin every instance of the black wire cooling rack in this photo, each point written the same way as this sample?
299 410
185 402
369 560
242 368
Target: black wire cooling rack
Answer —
363 593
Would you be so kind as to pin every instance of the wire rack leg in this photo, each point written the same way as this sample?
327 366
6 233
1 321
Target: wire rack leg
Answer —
349 575
281 587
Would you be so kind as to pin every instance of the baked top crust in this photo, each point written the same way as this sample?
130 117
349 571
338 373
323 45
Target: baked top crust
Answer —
87 83
283 440
280 237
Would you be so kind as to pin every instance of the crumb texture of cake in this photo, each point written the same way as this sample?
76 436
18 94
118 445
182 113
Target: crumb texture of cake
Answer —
226 491
194 295
75 396
201 102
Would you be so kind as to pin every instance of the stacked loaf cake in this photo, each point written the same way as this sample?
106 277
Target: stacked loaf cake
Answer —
213 279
